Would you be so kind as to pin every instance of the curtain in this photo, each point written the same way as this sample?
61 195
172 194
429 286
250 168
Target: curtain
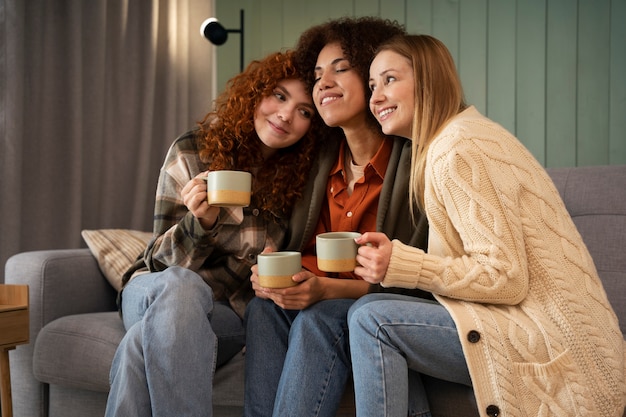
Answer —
92 93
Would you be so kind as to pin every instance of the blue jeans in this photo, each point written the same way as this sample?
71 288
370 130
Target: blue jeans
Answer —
394 339
297 362
164 365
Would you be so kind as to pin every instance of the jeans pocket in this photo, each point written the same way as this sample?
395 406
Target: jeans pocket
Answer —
546 387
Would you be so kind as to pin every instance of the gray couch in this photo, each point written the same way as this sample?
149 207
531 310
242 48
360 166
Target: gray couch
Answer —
75 330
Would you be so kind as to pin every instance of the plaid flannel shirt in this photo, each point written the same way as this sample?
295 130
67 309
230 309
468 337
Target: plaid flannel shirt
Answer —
223 255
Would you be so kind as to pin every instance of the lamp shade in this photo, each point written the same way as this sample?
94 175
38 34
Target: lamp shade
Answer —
214 31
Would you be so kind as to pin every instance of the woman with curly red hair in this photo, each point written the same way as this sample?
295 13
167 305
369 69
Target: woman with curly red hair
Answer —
228 129
183 301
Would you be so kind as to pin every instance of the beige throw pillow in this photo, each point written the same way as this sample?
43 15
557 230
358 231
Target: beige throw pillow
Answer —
115 250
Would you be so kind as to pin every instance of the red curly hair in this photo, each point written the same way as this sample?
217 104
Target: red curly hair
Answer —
228 140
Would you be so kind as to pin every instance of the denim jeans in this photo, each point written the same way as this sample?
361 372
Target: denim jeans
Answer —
164 365
297 362
394 339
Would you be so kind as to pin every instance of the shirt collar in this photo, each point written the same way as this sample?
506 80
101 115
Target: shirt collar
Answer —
379 162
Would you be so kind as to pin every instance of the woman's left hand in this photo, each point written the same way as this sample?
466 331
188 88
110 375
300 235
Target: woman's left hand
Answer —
373 256
309 290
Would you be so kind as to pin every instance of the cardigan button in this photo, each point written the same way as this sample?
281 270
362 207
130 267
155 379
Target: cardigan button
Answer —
493 411
473 336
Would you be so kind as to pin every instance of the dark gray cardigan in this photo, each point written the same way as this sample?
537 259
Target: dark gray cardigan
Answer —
393 217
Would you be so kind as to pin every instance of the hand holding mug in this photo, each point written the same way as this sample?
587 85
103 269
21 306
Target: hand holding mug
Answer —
194 196
373 256
308 290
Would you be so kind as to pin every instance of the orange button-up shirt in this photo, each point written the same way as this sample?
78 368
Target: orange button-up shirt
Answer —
349 213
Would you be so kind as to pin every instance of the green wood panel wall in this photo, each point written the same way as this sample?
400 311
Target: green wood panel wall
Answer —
530 75
617 102
593 81
501 69
561 58
551 71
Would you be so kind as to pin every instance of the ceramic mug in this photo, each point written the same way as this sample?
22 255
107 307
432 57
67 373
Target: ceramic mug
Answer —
336 251
275 269
229 188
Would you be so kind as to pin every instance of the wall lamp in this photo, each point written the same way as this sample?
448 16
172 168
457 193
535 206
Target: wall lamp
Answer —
213 30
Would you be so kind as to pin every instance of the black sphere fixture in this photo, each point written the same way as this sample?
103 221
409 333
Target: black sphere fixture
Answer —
213 30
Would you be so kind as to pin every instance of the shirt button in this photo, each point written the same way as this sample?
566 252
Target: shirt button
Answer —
493 411
251 256
349 214
255 212
332 189
473 336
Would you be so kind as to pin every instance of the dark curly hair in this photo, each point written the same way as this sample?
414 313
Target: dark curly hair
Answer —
359 38
227 138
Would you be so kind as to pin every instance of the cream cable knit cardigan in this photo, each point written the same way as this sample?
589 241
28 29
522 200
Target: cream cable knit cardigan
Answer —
506 260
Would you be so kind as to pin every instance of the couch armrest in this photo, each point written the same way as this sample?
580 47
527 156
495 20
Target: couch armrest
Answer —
61 282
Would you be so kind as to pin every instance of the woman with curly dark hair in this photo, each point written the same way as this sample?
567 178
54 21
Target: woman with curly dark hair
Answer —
183 301
297 356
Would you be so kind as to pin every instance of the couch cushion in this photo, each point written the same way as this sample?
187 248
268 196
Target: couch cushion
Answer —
115 250
595 198
77 351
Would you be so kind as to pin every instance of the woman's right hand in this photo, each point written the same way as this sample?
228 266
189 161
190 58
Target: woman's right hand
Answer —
373 256
194 195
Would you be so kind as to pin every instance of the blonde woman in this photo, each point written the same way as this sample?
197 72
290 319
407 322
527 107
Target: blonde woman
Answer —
520 312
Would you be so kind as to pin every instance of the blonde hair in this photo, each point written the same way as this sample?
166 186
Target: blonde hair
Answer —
438 97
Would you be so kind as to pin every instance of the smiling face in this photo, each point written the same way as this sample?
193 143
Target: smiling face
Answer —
393 100
338 91
284 117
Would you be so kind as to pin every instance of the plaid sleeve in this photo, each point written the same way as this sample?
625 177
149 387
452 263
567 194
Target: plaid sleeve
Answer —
180 239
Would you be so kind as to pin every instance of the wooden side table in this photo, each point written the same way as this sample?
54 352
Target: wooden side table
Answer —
14 329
